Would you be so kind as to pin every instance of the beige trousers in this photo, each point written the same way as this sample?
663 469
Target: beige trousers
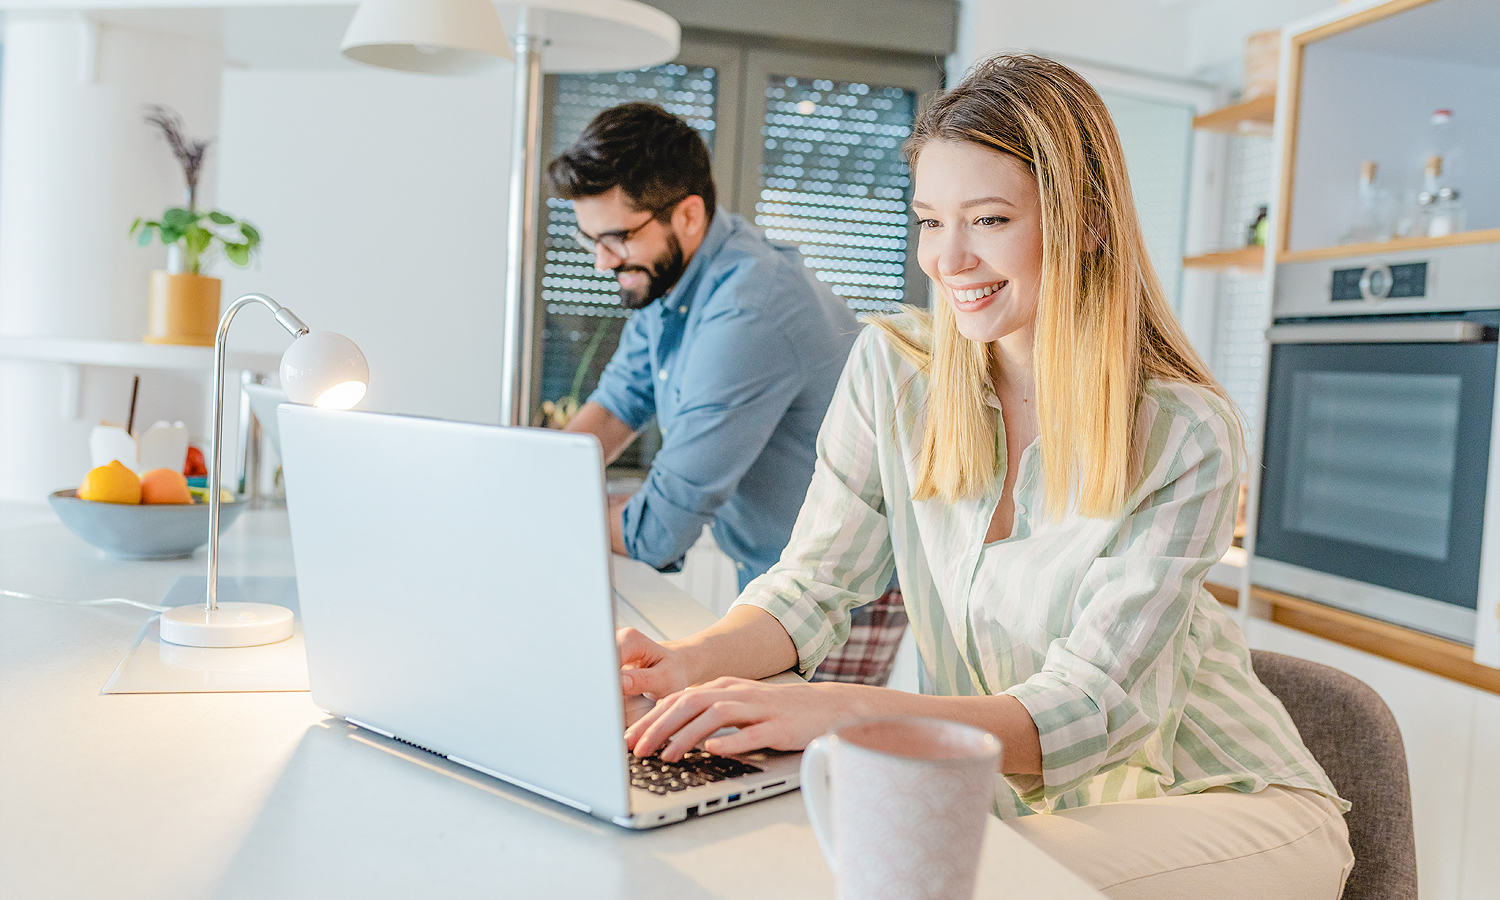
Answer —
1281 843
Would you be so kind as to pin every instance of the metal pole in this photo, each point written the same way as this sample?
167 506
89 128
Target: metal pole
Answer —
295 328
520 263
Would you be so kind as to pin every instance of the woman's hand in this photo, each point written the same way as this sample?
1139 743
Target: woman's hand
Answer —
747 641
779 716
649 668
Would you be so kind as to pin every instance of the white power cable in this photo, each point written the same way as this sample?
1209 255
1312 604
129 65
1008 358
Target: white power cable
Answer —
128 602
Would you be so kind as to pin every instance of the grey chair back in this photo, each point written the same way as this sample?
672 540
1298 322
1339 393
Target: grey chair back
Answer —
1354 737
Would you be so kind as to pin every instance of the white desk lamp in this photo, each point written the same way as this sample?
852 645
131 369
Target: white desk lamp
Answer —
448 37
320 368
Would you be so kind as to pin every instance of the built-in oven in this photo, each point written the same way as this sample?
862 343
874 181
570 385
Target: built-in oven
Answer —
1379 435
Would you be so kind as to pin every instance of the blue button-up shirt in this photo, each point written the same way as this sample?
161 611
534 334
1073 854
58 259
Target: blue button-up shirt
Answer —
738 363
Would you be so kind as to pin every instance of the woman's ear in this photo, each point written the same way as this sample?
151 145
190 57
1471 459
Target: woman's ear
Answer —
1094 228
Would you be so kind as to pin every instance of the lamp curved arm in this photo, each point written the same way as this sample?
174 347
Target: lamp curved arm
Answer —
295 328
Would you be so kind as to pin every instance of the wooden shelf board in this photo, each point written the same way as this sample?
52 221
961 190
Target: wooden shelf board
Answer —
1224 593
1243 258
1396 245
1255 115
1403 645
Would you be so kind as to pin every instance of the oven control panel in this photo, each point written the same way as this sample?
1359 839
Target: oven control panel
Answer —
1444 279
1380 282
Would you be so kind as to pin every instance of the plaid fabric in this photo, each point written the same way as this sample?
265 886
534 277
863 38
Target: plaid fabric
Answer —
875 632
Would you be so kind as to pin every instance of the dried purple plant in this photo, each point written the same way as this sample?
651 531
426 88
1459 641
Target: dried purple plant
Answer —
189 152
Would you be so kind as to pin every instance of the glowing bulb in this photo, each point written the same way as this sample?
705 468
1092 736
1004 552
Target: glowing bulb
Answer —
324 369
341 396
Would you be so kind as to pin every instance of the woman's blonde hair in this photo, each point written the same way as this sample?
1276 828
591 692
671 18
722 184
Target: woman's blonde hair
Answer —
1103 323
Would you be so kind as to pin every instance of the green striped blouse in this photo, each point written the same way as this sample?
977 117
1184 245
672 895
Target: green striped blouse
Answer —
1138 681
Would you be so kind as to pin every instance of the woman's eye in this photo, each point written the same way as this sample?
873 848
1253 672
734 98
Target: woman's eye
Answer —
927 223
991 220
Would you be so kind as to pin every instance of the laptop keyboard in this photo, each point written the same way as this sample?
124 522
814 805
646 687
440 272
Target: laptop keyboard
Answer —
697 767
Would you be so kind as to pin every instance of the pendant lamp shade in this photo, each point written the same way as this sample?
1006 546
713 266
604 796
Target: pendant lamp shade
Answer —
440 37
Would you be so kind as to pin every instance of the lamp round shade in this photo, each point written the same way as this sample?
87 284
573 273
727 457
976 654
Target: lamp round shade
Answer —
322 368
441 37
595 35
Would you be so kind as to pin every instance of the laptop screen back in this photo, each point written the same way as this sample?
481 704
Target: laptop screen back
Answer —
455 592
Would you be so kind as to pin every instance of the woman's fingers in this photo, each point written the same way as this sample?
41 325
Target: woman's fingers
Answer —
719 714
783 717
646 667
690 716
750 738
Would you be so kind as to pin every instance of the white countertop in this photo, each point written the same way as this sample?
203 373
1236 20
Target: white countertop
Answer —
262 795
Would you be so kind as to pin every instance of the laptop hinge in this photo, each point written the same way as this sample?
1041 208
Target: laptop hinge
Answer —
369 727
522 784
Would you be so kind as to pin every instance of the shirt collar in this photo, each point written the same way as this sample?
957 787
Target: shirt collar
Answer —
680 298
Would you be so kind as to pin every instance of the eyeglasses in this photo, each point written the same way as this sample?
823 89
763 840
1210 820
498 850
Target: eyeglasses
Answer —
615 241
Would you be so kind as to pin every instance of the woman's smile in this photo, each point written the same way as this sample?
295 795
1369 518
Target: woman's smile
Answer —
975 299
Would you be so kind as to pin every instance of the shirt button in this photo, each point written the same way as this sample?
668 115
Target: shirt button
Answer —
662 374
740 566
682 309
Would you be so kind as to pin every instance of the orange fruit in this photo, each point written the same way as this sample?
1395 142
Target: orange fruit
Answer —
114 483
164 486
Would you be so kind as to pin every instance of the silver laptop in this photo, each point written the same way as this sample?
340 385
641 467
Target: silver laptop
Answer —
454 581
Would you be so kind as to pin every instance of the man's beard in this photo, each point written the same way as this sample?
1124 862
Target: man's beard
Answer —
663 275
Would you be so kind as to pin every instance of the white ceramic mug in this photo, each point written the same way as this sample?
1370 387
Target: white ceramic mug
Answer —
899 806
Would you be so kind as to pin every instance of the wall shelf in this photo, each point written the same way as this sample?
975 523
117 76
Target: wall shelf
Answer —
1396 245
1248 258
130 354
1251 116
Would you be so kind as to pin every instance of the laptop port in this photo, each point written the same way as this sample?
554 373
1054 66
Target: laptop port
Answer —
693 811
733 797
711 804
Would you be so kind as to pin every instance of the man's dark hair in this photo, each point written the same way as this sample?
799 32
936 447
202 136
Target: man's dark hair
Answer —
654 157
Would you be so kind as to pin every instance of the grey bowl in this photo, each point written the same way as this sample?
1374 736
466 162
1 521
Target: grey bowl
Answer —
144 531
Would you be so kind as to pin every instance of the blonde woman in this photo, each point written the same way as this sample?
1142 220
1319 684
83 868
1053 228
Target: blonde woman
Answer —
1051 470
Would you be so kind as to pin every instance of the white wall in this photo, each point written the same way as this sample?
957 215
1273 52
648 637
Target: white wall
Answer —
1184 38
1217 33
381 197
77 165
1136 34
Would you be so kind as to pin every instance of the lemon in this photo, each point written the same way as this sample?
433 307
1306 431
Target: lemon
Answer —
114 483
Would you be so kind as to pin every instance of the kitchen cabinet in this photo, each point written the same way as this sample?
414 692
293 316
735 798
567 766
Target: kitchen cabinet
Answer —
1361 86
1450 731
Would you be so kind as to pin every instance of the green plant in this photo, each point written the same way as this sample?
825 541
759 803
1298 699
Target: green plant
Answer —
199 234
558 414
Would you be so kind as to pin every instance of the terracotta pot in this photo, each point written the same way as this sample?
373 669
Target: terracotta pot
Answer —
184 309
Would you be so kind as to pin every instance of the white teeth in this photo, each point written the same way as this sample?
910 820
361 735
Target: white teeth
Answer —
971 296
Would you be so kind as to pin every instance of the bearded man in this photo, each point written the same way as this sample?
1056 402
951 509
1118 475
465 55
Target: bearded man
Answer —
735 349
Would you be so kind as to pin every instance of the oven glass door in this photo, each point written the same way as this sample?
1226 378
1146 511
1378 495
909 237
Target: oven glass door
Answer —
1376 457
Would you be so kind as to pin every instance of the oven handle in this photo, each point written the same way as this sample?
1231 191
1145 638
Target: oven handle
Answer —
1445 332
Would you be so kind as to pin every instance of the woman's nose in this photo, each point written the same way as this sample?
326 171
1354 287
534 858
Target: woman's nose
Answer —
955 256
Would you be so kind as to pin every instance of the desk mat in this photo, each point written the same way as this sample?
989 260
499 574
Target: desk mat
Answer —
152 666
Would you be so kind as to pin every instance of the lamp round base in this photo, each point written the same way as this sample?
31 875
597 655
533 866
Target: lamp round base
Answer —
231 625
